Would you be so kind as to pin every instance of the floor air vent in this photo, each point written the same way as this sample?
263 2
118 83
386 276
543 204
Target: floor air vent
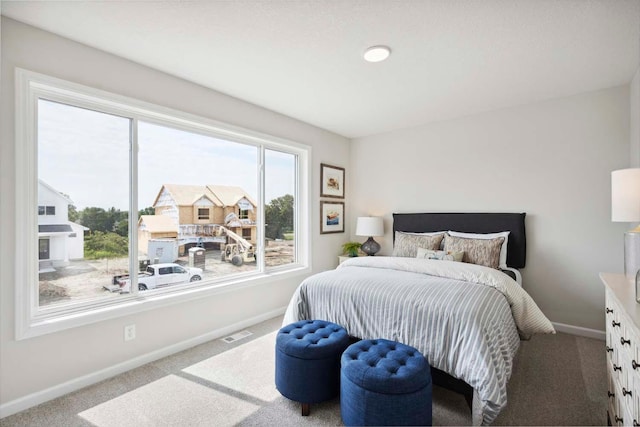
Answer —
236 337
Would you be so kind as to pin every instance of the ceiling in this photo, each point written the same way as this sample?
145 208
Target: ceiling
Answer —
450 58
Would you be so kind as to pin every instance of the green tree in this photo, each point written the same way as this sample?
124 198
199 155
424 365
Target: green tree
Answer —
279 217
110 220
116 215
122 228
74 215
147 211
98 219
99 244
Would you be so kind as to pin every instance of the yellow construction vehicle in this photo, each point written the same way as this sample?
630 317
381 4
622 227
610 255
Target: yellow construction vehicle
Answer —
236 253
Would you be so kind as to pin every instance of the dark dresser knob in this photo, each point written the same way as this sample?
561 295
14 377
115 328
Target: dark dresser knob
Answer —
623 341
609 349
634 364
609 310
611 394
617 368
619 420
614 323
626 392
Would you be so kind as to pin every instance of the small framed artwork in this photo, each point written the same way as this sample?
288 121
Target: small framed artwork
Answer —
331 181
331 217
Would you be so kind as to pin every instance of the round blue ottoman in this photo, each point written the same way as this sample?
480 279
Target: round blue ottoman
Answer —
308 361
386 383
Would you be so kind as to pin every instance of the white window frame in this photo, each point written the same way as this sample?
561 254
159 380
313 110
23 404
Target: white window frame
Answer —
33 320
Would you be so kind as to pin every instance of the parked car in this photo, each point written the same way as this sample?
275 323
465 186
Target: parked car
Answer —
158 275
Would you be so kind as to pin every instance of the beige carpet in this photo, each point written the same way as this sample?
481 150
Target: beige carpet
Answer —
230 383
557 380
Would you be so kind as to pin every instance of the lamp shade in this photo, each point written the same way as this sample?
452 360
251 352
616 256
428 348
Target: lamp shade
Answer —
369 226
625 195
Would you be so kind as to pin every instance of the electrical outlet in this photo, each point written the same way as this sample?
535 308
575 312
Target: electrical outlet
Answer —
129 332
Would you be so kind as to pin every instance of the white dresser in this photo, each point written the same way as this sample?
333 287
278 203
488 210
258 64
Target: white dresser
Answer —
623 350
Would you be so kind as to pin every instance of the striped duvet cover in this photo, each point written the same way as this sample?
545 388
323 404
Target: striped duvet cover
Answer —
466 319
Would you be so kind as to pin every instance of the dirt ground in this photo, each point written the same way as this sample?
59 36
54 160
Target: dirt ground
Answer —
85 279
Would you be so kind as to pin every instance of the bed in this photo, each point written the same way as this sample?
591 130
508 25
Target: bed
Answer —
466 319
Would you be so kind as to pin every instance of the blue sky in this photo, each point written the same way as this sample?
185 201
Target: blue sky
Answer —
85 154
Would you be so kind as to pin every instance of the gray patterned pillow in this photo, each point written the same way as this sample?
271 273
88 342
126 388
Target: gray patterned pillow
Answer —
406 245
476 251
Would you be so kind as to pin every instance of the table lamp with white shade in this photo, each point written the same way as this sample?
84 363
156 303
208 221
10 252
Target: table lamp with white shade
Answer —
370 226
625 207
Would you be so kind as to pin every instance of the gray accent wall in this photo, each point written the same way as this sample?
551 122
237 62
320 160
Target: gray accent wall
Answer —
552 160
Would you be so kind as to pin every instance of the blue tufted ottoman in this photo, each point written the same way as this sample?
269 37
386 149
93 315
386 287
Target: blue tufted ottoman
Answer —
383 382
308 361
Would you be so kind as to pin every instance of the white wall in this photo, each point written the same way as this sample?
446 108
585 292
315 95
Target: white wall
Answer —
58 252
635 120
35 364
551 160
76 244
48 197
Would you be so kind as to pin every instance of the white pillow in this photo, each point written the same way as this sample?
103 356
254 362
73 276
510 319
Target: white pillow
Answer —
440 255
503 249
430 233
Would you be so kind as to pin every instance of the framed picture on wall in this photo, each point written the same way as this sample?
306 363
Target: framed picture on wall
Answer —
331 217
331 181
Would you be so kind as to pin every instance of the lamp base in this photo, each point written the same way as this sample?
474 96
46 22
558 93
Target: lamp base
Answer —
631 254
370 247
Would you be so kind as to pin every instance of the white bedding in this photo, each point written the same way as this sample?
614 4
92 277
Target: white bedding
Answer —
466 319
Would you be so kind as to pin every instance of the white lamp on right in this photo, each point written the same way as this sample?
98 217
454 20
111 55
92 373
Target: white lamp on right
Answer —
625 207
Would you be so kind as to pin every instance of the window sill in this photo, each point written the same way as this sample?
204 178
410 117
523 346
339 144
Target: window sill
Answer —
54 322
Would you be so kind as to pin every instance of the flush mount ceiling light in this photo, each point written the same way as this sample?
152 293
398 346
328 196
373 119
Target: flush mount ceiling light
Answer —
377 53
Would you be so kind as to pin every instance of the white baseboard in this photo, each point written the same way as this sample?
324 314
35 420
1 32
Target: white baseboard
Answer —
50 393
580 331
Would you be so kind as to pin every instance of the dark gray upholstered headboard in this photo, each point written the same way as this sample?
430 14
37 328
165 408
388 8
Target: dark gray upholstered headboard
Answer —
471 223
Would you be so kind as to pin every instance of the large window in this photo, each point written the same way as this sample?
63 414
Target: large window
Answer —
280 208
131 202
83 167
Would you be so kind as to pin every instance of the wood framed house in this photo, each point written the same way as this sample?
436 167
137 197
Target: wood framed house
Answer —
192 213
154 227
